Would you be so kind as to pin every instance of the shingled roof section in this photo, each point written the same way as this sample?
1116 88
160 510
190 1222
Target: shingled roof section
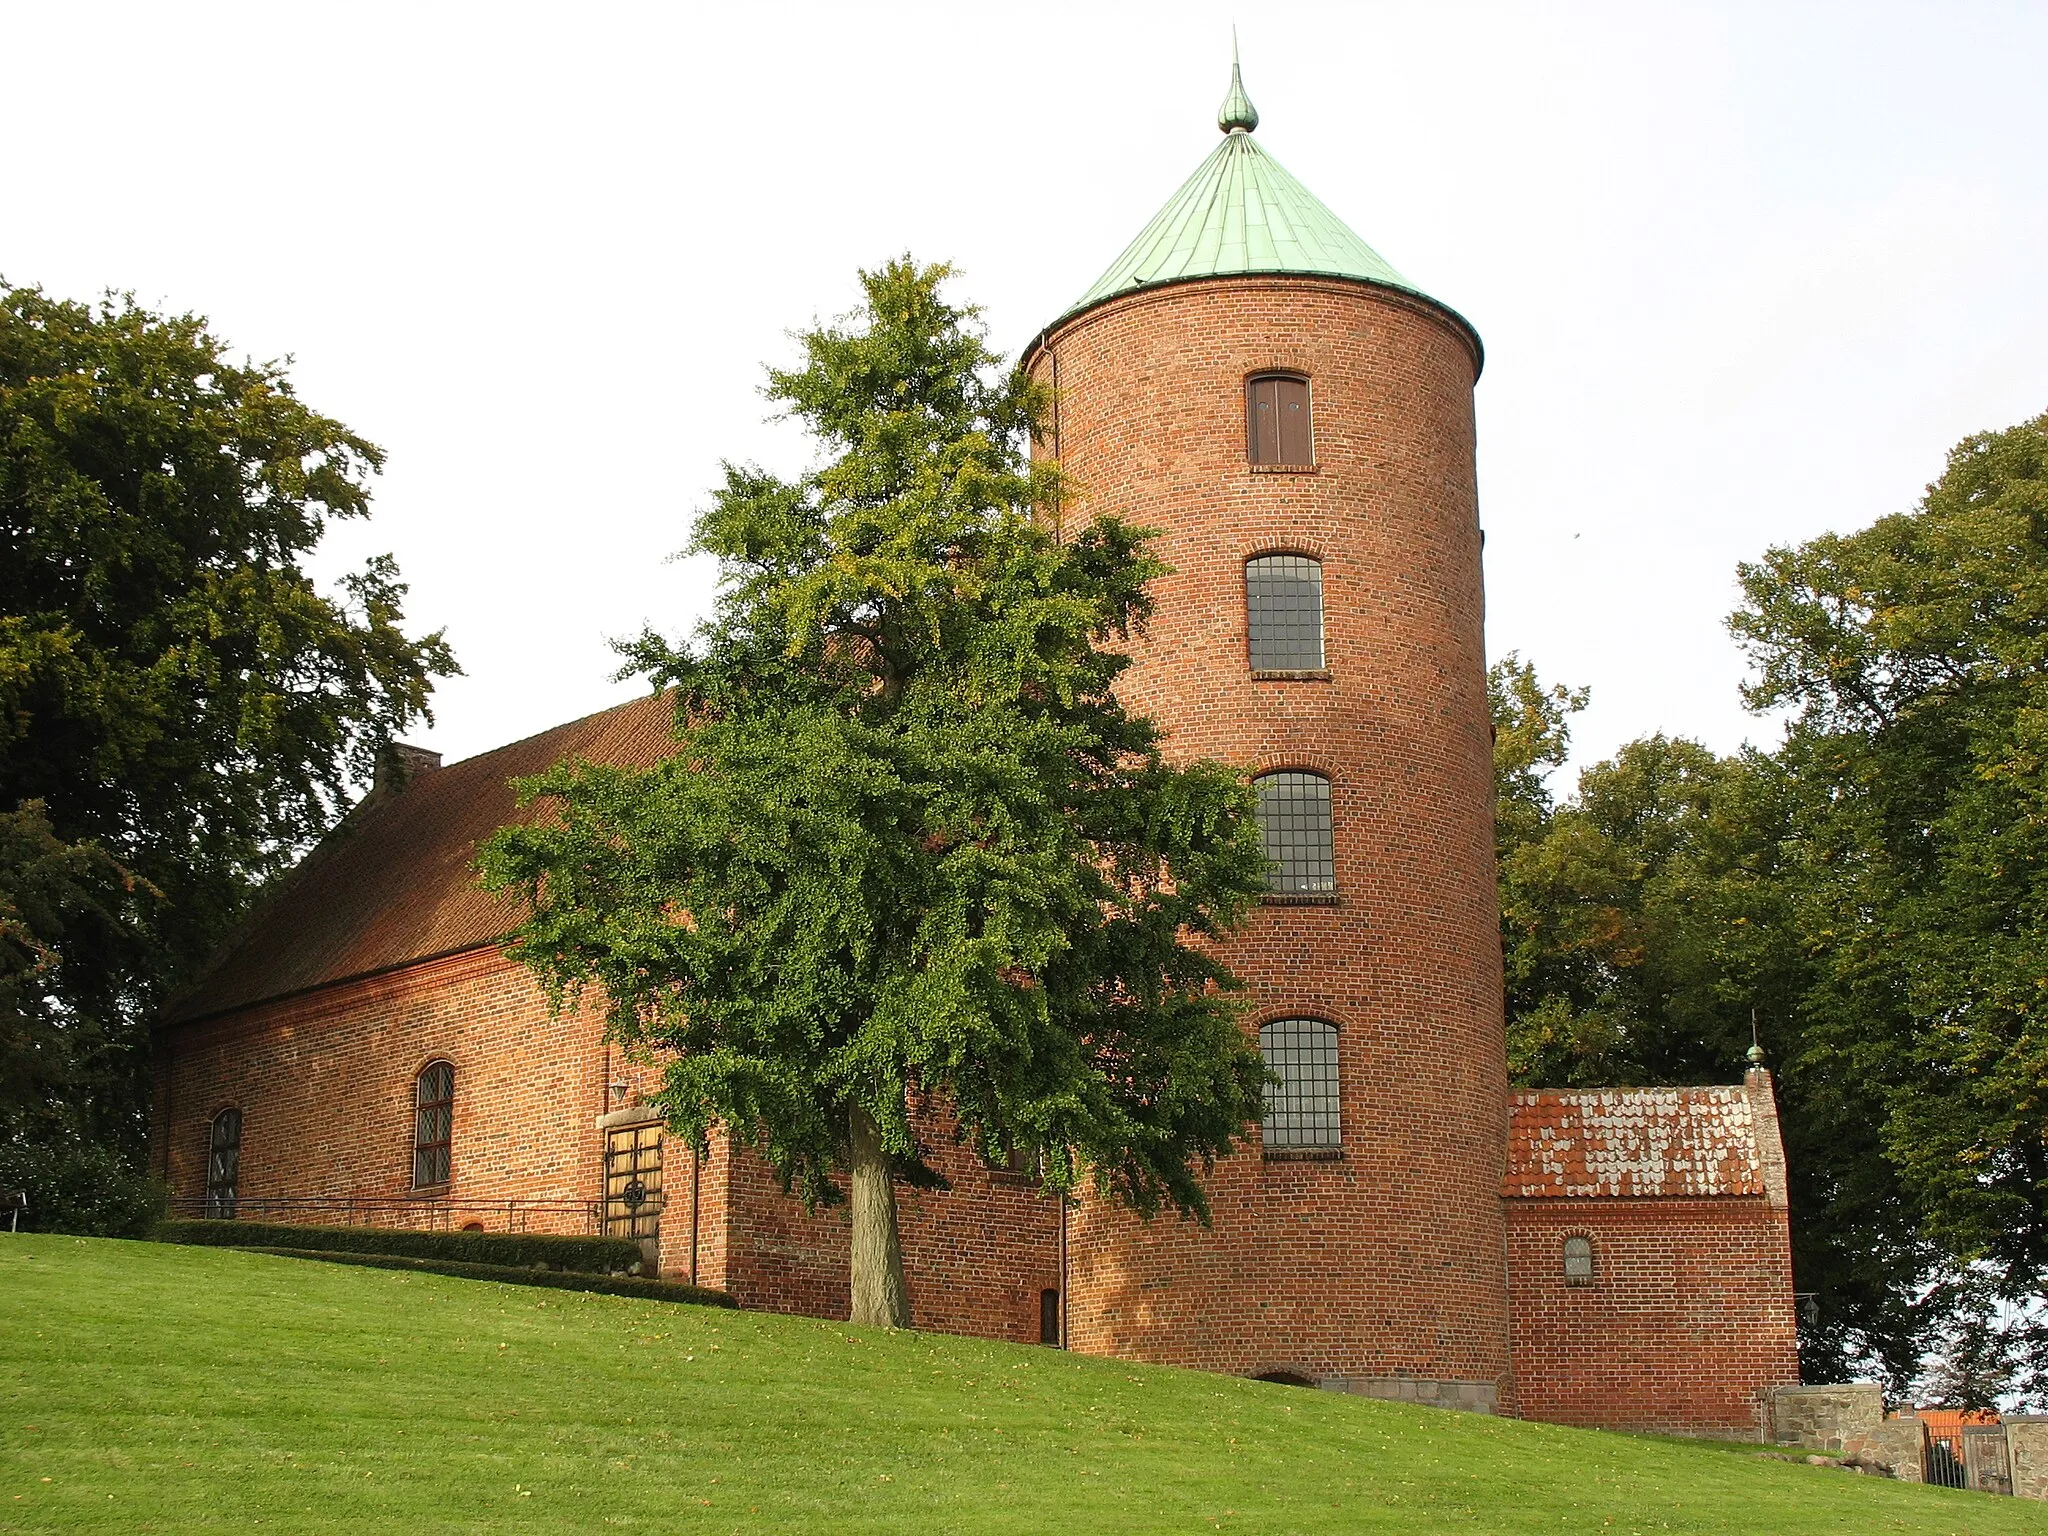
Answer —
396 881
1673 1142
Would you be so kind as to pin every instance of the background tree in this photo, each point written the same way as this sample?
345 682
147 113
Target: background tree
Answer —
1915 653
912 854
181 711
1643 920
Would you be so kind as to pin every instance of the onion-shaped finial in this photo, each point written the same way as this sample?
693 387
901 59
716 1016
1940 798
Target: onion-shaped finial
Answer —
1238 115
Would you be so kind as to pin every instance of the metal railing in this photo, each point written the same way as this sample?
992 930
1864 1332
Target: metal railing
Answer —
578 1218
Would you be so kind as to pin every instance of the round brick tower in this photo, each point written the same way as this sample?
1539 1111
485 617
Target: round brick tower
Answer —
1360 1241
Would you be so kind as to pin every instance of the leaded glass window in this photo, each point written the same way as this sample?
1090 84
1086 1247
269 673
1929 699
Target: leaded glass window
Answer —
432 1122
1294 820
1578 1261
1283 597
223 1164
1301 1108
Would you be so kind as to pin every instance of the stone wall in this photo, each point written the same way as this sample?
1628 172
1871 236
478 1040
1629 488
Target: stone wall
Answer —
1825 1418
2026 1443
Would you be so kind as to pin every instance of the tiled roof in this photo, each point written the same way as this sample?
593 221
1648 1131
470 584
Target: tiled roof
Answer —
396 881
1632 1142
1243 213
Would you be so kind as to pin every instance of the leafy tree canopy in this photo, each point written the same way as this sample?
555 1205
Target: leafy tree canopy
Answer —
1915 653
180 709
911 854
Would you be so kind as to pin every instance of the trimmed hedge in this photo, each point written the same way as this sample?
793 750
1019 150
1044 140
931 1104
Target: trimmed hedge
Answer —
554 1279
519 1250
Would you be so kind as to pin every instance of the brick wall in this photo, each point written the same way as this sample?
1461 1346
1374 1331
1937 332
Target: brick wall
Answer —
1388 1261
1687 1323
325 1086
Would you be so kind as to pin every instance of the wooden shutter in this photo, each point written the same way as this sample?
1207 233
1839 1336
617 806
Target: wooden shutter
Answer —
1277 421
1292 409
1262 420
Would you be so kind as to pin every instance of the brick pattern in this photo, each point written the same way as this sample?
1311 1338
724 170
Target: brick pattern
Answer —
325 1085
1686 1325
1388 1260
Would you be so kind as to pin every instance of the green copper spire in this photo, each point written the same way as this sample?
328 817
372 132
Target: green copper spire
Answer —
1243 213
1237 115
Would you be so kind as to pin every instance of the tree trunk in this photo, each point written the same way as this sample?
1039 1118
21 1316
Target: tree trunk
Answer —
879 1295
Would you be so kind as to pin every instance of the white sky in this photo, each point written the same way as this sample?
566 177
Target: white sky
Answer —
1744 272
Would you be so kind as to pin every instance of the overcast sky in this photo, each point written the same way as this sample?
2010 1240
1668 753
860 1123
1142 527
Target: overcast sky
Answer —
1744 273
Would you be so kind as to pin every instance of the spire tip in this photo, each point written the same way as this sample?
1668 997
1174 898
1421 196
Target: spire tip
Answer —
1238 115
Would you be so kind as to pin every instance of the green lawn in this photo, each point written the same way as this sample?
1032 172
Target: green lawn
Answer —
150 1388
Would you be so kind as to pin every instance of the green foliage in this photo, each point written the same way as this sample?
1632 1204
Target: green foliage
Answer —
76 1184
912 851
188 1389
546 1250
1916 655
180 710
1645 922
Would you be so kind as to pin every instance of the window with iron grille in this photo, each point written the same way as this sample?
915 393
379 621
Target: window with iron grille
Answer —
1283 596
1301 1109
223 1163
433 1120
1578 1261
1294 820
1277 420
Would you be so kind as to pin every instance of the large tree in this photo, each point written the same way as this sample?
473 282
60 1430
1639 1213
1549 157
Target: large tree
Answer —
1914 654
182 711
912 858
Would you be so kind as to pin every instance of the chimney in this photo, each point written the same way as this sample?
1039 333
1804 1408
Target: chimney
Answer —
399 764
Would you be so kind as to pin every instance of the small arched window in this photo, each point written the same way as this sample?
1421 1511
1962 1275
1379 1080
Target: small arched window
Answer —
223 1164
433 1119
1578 1260
1301 1108
1294 820
1283 599
1277 420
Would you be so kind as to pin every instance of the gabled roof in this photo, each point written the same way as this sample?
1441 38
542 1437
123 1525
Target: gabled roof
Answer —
396 881
1673 1142
1243 213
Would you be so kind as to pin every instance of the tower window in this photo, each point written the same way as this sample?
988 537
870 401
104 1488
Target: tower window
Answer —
1294 820
1301 1108
1578 1261
433 1120
1277 420
223 1164
1283 597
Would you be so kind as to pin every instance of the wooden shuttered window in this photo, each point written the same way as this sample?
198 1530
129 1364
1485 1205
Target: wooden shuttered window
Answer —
1277 421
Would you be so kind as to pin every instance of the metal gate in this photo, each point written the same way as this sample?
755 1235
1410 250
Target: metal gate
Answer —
1944 1467
632 1180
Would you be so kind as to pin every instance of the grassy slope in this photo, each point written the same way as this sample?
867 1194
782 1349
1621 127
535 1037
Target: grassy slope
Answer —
148 1387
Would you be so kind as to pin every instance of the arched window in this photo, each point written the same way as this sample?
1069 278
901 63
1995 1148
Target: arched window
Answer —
223 1163
1301 1109
1294 820
433 1097
1283 599
1277 420
1578 1260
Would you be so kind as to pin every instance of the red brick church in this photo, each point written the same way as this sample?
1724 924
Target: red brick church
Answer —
1255 381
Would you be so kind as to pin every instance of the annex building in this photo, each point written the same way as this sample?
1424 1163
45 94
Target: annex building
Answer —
1254 380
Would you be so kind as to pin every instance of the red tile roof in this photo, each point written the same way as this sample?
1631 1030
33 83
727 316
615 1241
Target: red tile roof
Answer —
1632 1141
396 881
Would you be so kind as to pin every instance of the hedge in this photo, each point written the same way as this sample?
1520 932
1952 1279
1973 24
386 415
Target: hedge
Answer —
554 1279
519 1250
